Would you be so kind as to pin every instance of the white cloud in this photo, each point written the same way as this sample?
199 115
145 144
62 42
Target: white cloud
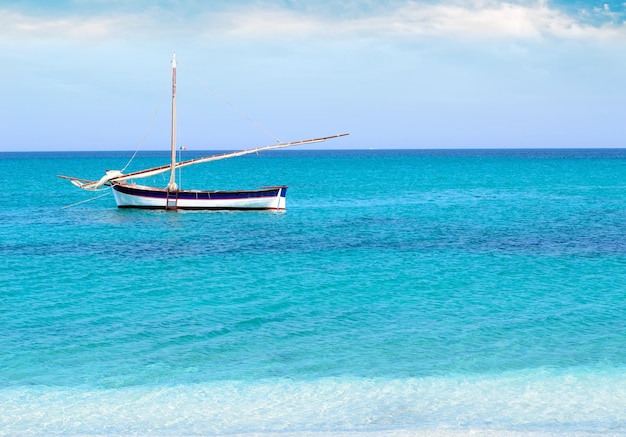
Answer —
473 19
24 27
484 20
468 19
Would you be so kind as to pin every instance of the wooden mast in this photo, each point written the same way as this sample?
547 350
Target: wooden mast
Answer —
171 186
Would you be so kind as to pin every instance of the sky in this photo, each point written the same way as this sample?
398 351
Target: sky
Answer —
424 74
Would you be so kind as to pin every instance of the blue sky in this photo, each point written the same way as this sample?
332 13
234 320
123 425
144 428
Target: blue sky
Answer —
93 74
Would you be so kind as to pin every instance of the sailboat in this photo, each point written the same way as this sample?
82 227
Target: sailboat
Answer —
129 194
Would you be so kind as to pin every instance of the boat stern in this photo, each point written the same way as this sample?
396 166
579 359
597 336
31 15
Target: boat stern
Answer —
282 199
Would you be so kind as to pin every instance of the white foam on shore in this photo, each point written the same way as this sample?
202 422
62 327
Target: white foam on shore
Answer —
537 403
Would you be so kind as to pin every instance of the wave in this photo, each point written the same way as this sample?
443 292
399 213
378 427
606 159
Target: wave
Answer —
537 402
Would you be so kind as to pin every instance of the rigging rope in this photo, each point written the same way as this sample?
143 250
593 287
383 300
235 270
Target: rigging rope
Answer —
143 140
258 125
88 200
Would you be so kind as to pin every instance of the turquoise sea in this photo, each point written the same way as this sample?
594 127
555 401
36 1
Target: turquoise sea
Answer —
403 292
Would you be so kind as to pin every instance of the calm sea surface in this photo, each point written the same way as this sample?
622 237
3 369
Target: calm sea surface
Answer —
402 292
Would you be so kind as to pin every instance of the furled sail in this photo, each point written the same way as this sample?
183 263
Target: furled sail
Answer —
117 176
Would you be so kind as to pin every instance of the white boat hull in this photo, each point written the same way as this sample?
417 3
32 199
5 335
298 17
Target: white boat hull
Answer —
139 196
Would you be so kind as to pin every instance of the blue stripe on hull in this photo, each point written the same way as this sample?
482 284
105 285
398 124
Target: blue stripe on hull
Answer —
200 208
191 195
202 195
